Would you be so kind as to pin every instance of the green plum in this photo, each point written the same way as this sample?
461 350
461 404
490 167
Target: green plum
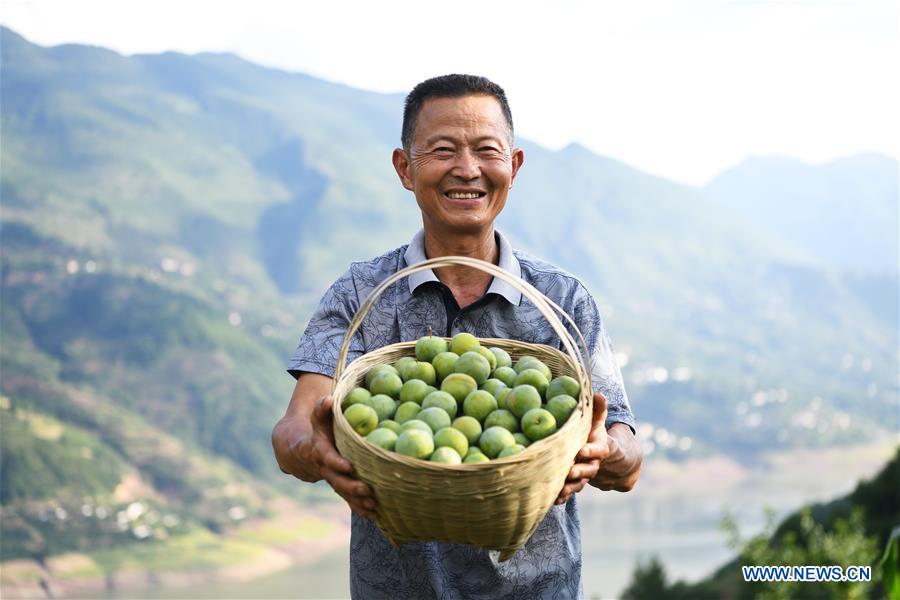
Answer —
470 427
416 443
357 395
406 412
383 437
493 386
444 363
523 398
538 423
510 450
463 342
502 397
563 385
561 408
505 374
384 406
414 390
429 346
386 383
494 440
400 363
479 404
521 439
534 378
377 370
459 385
502 418
488 356
446 455
437 418
474 365
531 362
475 458
454 438
389 424
502 357
363 419
441 400
416 424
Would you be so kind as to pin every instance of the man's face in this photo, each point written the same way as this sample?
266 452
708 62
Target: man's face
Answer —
460 164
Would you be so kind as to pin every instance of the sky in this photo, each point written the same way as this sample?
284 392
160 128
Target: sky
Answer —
681 88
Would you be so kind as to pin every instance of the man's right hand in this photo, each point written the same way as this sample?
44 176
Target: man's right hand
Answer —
303 441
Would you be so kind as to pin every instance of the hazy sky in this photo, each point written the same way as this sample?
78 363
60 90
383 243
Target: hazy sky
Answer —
683 88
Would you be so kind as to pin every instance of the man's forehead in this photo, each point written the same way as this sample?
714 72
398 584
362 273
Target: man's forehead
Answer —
472 111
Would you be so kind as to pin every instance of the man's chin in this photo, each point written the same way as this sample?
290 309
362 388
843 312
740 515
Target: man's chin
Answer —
462 227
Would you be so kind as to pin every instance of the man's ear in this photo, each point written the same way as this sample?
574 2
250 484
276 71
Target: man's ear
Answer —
402 165
518 157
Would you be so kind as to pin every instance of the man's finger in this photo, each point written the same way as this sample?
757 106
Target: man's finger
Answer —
354 493
322 410
347 486
329 456
583 471
574 487
600 408
598 451
569 489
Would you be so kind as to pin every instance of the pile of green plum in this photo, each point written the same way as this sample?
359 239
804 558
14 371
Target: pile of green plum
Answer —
459 402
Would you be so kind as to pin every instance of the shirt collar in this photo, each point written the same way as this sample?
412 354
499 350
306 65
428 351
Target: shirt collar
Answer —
415 253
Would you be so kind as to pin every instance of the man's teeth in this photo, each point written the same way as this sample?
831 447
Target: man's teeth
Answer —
464 195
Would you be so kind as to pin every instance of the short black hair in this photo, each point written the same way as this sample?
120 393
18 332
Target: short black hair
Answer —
449 86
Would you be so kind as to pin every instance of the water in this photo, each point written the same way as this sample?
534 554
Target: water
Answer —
326 577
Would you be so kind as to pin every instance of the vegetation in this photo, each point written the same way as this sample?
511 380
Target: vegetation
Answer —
850 531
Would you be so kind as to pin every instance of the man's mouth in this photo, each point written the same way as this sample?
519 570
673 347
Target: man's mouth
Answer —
464 195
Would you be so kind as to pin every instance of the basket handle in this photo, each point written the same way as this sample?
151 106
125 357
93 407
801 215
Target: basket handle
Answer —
544 305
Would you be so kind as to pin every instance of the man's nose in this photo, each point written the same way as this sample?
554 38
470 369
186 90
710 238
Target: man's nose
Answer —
467 165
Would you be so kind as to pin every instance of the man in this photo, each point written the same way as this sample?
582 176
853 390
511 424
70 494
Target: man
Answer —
459 161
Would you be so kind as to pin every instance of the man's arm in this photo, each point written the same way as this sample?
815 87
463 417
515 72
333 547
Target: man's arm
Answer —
303 442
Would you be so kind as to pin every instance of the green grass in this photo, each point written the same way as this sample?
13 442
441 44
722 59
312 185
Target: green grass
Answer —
307 528
199 549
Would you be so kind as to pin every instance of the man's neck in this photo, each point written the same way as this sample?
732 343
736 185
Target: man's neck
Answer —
467 284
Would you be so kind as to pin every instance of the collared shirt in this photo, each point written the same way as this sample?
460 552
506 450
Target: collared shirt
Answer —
549 564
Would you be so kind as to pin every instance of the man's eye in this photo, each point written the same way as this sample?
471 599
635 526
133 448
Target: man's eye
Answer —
488 149
443 150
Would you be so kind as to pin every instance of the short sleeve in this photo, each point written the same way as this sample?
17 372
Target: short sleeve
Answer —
320 344
606 377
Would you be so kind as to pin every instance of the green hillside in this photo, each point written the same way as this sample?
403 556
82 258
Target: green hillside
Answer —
169 221
850 531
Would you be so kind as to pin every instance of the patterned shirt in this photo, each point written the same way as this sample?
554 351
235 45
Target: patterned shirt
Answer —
549 564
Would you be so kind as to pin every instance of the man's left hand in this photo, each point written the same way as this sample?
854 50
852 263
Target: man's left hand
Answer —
610 460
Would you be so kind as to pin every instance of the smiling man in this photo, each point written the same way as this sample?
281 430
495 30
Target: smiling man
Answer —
459 161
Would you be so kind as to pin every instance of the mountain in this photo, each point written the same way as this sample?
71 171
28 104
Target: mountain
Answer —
844 212
170 221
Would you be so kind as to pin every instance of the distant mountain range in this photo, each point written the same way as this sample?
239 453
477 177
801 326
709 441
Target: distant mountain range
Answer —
844 213
169 221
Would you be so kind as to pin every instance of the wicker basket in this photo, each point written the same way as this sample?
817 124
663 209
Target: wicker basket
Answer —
495 505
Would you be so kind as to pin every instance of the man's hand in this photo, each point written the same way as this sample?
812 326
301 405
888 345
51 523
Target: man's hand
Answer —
304 447
610 460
